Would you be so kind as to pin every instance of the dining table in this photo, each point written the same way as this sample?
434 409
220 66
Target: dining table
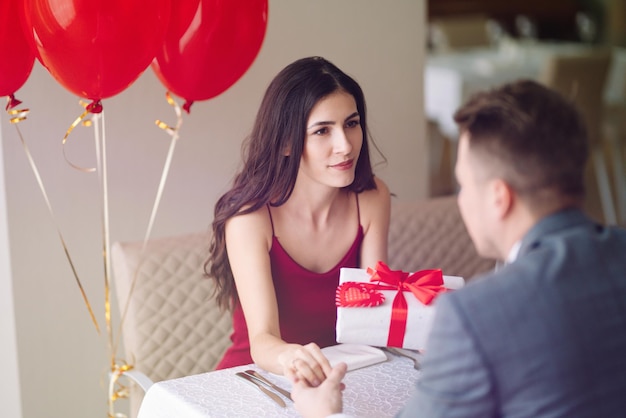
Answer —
450 78
377 391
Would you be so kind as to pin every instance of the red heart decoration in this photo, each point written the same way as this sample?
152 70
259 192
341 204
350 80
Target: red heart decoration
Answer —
355 294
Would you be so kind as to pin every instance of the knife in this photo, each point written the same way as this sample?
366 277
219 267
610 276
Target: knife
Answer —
262 388
266 382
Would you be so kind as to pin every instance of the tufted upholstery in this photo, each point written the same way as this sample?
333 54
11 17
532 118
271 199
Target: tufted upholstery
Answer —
173 328
430 234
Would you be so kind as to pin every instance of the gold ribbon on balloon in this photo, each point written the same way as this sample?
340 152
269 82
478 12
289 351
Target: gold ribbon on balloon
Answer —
116 389
94 108
16 117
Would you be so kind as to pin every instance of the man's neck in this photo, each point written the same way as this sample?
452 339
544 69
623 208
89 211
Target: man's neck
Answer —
524 216
516 227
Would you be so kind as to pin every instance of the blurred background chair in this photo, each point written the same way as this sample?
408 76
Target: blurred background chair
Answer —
582 77
526 28
615 131
459 32
430 233
173 327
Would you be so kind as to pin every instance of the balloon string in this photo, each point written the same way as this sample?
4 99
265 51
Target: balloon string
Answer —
35 171
166 167
174 133
116 389
101 158
94 107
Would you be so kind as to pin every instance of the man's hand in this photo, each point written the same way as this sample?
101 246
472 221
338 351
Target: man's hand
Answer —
323 400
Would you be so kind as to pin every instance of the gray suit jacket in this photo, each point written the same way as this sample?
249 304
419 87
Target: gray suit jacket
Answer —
543 337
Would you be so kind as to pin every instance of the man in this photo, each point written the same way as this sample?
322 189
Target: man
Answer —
545 336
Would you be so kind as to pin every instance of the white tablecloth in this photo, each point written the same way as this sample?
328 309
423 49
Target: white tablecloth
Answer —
451 78
376 391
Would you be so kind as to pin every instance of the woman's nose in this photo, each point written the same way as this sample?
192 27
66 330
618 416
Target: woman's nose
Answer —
342 144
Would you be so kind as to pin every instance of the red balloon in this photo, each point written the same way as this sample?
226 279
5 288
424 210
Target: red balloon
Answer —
16 56
96 48
209 45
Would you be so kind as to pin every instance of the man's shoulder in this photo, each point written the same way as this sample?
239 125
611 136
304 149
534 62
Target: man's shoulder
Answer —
572 228
564 259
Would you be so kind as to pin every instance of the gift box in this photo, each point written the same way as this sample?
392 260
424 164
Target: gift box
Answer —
389 308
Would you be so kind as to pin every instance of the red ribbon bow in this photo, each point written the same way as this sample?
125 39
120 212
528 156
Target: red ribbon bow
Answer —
12 102
424 284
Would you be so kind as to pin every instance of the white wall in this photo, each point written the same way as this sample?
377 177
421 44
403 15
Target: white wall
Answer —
9 383
62 360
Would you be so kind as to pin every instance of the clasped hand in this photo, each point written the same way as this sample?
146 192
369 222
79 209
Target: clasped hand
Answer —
305 363
321 401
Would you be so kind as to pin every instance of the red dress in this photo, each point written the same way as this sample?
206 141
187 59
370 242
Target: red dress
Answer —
306 303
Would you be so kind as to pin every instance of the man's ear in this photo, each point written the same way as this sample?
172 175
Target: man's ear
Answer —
503 197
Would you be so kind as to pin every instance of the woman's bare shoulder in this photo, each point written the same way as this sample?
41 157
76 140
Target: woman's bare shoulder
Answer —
251 225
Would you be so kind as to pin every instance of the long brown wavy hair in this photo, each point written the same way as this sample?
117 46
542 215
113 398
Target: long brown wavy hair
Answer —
268 175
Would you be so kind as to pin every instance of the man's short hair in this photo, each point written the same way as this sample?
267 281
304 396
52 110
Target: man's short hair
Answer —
528 135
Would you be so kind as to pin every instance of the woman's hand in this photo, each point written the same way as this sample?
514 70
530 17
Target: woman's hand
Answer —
306 363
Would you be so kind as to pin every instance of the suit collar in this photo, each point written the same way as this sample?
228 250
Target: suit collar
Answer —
550 224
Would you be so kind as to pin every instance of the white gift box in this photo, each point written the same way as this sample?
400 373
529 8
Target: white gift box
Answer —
370 325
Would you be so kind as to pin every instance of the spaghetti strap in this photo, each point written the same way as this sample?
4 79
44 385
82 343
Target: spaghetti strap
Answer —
358 209
271 220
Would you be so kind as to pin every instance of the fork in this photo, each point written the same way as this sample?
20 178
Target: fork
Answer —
392 350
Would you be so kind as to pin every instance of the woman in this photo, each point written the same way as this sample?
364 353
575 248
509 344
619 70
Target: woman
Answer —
305 204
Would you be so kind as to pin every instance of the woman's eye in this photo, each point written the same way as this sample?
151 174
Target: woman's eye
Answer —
353 123
321 131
